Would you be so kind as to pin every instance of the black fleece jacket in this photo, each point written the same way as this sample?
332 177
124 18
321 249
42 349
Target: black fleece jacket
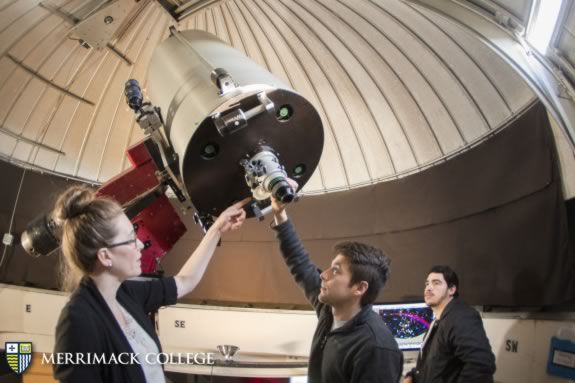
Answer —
361 351
457 349
87 326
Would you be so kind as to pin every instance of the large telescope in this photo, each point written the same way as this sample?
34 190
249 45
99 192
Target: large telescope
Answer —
219 128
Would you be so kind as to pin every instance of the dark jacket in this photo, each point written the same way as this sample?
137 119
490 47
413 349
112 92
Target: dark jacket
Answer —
361 351
456 349
87 325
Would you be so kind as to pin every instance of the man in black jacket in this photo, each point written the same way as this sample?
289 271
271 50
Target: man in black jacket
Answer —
351 343
455 348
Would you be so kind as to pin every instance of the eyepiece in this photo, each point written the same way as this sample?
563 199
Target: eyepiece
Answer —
133 94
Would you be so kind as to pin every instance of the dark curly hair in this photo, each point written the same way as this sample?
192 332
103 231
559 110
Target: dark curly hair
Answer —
367 263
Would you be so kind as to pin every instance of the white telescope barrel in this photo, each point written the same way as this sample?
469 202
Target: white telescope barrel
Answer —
212 131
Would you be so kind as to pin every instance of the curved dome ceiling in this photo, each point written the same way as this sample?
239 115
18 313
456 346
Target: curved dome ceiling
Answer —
398 87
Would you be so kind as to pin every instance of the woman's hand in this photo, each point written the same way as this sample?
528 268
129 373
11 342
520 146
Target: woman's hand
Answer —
191 273
231 218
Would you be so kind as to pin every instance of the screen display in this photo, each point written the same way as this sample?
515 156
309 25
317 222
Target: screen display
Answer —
408 322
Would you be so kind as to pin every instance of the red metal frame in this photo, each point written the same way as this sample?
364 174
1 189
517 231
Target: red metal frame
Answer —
157 225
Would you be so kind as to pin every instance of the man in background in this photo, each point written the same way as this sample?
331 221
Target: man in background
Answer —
455 348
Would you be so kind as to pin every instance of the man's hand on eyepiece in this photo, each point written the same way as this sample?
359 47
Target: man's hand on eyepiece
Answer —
278 207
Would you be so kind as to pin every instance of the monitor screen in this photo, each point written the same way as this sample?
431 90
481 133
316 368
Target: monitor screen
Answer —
408 322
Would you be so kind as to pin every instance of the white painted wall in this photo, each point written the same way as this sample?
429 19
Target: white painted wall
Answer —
533 337
279 332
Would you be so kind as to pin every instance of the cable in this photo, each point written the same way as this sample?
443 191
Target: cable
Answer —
13 214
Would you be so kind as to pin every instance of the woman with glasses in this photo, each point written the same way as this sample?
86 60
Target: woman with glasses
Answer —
105 322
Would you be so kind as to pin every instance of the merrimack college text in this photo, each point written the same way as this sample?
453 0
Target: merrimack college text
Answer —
125 358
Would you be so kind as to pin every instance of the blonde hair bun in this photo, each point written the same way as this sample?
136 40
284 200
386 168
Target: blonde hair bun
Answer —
74 202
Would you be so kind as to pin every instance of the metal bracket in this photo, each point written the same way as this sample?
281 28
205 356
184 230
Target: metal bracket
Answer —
237 119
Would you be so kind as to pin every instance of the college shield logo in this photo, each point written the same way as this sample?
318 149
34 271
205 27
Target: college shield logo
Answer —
18 355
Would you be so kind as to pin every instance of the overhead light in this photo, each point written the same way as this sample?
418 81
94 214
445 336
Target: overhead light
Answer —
543 22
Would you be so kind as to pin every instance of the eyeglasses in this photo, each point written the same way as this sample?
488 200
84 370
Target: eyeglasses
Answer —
134 241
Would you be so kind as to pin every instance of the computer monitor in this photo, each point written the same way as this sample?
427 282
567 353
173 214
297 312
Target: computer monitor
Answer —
408 322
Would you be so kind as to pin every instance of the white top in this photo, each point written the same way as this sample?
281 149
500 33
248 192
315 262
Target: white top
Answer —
143 344
337 324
